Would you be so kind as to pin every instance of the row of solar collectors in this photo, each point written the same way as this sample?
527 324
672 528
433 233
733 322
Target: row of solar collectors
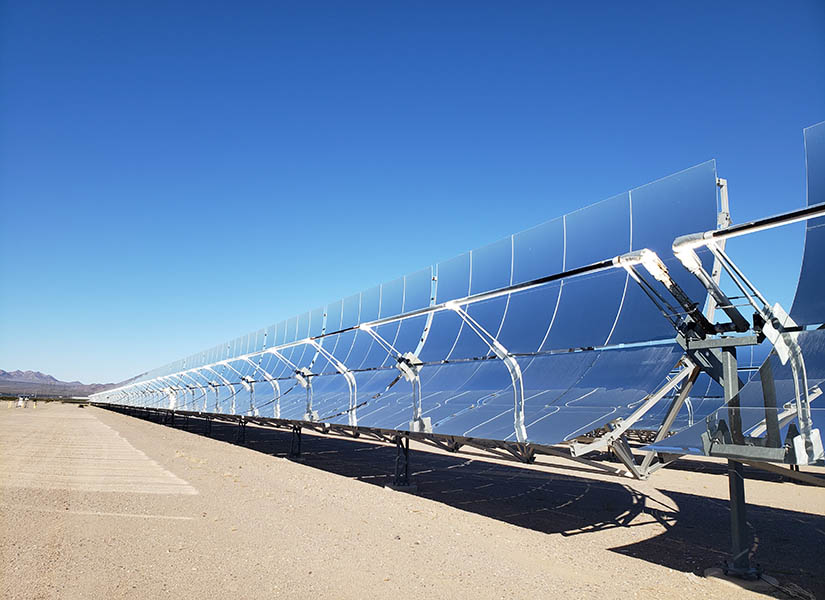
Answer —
586 312
572 391
465 389
808 309
268 397
566 395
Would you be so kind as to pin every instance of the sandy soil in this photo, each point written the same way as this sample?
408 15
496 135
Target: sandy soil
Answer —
95 504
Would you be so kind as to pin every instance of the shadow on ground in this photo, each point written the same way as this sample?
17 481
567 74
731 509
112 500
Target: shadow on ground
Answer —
787 544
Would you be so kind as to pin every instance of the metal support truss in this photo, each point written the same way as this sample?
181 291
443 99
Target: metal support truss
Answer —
150 388
159 393
196 385
304 378
647 467
409 366
352 418
276 388
232 391
169 391
615 438
247 385
192 399
509 361
186 382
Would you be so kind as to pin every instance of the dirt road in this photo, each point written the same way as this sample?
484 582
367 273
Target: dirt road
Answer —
95 504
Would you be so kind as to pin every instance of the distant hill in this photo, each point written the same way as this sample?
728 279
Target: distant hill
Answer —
35 383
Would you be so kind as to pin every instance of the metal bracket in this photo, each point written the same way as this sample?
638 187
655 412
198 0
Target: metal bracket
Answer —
409 365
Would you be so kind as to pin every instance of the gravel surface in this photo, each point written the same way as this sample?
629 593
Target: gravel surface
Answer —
95 504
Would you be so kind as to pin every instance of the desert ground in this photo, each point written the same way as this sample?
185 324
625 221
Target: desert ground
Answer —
95 504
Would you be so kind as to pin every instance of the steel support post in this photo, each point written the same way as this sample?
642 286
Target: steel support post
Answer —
730 381
402 461
740 563
241 434
295 442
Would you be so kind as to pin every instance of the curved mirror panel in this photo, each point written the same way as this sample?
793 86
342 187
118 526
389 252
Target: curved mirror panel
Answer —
809 302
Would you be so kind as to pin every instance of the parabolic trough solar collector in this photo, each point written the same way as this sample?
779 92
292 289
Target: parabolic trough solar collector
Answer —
540 364
808 309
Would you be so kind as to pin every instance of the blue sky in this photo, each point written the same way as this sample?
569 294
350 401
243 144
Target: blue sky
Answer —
175 174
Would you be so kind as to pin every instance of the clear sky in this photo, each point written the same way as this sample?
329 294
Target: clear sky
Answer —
174 174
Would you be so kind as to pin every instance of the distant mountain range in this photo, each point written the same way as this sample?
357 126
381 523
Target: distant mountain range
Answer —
35 383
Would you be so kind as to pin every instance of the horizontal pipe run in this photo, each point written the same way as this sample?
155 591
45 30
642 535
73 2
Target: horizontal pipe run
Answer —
694 240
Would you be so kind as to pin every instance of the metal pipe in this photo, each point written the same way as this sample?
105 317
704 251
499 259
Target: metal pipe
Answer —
694 240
